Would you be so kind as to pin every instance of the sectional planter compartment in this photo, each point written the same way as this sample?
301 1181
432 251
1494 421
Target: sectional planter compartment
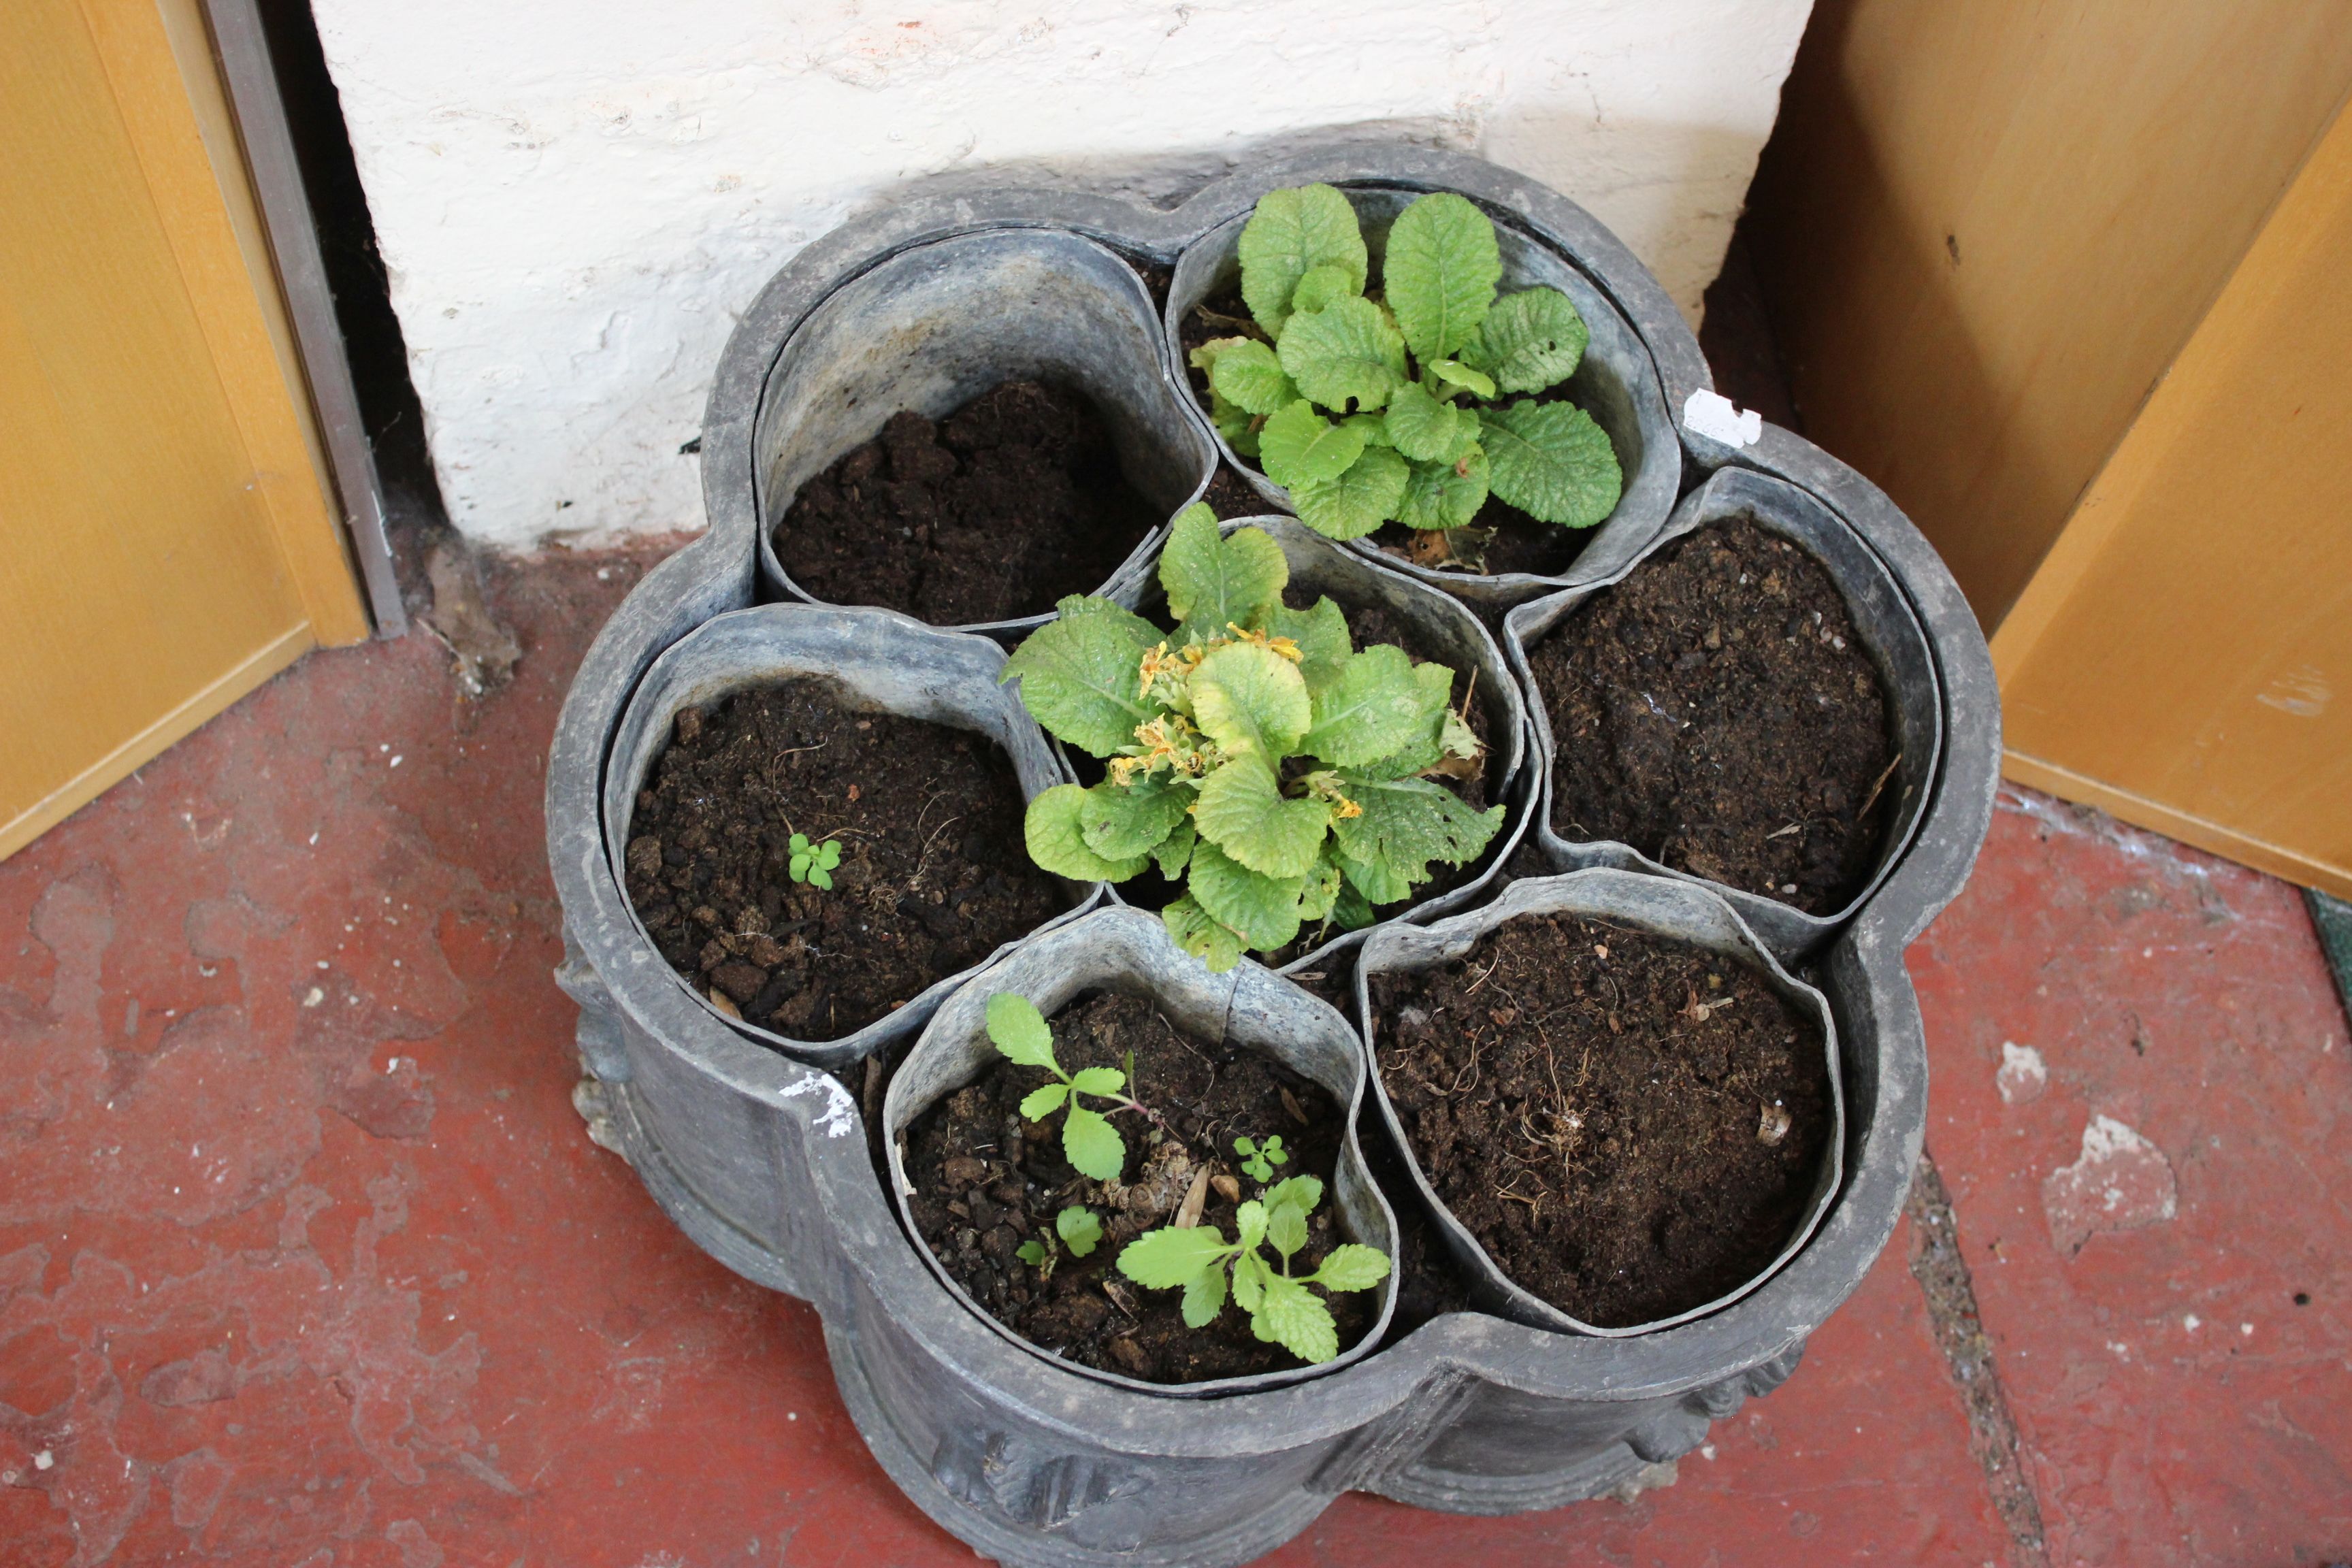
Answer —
760 1149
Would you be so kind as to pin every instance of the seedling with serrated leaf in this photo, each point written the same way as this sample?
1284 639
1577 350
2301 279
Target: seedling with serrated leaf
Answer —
1288 777
813 863
1089 1142
1372 409
1281 1310
1079 1231
1260 1158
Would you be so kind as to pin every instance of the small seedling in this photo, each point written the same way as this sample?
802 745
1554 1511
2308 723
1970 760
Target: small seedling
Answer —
1080 1231
1259 1160
1281 1310
1090 1143
814 863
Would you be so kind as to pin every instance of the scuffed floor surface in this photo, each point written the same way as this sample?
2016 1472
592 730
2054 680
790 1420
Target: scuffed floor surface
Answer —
306 1260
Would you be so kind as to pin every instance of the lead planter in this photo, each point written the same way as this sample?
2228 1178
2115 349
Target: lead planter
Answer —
1624 901
1446 633
876 661
936 325
1616 382
1890 634
762 1159
1131 953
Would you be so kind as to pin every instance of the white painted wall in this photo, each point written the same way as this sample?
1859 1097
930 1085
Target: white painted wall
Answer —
573 196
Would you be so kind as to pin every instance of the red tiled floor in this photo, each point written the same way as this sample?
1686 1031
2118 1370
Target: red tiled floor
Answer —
305 1260
2177 1404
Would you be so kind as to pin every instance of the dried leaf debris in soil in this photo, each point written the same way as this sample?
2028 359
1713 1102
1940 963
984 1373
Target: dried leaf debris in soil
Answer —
932 875
1007 505
1603 1110
1716 711
986 1182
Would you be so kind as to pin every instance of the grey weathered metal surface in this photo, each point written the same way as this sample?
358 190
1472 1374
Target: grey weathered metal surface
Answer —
760 1158
934 326
876 661
1131 953
1447 633
1616 382
1679 911
1890 632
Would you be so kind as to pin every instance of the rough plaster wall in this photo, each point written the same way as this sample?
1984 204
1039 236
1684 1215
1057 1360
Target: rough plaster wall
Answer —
573 198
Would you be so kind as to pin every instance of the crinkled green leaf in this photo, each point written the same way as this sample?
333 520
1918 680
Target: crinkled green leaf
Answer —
1249 1274
1345 354
1211 941
1376 707
1031 1252
1445 495
1427 749
1291 233
1375 427
1319 286
1408 822
1054 828
1357 501
1351 911
1264 911
1322 890
1091 1144
1243 812
1454 373
1249 1225
1078 674
1237 424
1552 462
1101 1082
1165 1258
1211 580
1428 429
1018 1030
1081 1232
1530 341
1204 1298
1286 1230
1246 372
1321 636
1043 1101
1120 822
1299 446
1374 882
1440 273
1351 1266
1249 698
1304 1194
1175 851
1294 1317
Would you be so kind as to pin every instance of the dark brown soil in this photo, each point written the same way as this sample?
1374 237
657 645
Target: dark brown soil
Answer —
1519 543
934 873
1716 711
986 1181
1589 1102
1230 496
1009 503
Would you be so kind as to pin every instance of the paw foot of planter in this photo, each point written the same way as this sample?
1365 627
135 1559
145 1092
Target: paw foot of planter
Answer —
588 1100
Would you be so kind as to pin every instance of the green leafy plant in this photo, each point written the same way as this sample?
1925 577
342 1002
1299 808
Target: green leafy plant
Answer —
1281 1310
813 863
1079 1231
1089 1142
1287 776
1371 408
1259 1159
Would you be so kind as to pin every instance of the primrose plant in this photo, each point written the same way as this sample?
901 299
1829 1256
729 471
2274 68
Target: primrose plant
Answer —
1089 1142
1281 1308
1417 376
1286 775
813 863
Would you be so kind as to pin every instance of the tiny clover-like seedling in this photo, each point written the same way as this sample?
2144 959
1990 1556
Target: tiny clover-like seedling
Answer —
1089 1142
1259 1159
1389 407
1287 776
813 863
1281 1308
1079 1231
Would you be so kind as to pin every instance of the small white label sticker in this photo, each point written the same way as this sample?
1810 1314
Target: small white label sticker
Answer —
1717 418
